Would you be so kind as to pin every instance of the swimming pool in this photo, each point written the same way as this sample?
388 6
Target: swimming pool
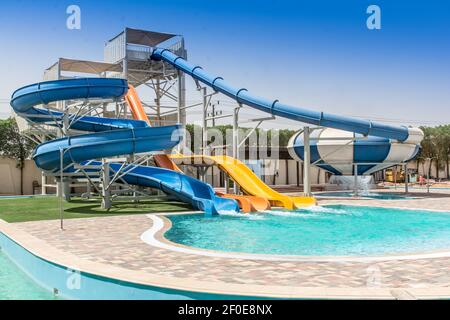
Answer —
16 285
317 231
371 195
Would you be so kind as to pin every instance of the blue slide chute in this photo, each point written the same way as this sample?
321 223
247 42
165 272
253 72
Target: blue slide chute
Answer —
111 137
276 108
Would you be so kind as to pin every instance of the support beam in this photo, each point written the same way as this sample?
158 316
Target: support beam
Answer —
405 170
227 183
106 191
204 121
181 114
236 141
43 184
125 59
158 102
88 190
202 173
65 183
355 187
60 188
66 188
235 149
307 162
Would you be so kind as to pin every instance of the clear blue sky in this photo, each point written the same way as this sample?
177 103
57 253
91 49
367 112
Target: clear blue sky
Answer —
317 54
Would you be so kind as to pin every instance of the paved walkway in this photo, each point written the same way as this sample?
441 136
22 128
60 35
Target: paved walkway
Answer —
116 241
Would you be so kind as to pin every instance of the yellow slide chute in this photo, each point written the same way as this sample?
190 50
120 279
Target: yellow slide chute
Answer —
249 182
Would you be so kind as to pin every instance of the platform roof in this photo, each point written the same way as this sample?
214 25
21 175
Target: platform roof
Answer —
145 38
85 66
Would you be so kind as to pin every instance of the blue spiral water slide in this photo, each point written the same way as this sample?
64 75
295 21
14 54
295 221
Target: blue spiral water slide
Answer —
110 137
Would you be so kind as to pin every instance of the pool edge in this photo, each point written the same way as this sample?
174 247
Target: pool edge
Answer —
155 236
190 288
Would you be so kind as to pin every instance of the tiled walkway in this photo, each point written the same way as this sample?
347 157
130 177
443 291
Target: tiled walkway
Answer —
116 241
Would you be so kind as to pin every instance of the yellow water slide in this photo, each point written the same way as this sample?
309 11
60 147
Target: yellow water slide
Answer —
249 182
259 196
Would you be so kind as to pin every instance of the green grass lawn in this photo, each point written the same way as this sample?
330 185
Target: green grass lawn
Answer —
47 208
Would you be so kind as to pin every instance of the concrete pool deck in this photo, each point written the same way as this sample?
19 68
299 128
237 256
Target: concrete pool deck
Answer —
112 247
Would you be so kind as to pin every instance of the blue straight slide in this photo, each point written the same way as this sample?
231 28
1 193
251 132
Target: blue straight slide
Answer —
111 137
277 108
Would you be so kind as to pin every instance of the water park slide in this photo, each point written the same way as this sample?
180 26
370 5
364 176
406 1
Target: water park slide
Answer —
249 182
276 108
246 203
111 137
399 134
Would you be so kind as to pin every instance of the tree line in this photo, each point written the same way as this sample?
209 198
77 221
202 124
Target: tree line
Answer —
435 148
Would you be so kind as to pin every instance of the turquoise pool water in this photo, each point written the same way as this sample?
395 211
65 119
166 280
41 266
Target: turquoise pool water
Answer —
330 230
16 285
372 195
